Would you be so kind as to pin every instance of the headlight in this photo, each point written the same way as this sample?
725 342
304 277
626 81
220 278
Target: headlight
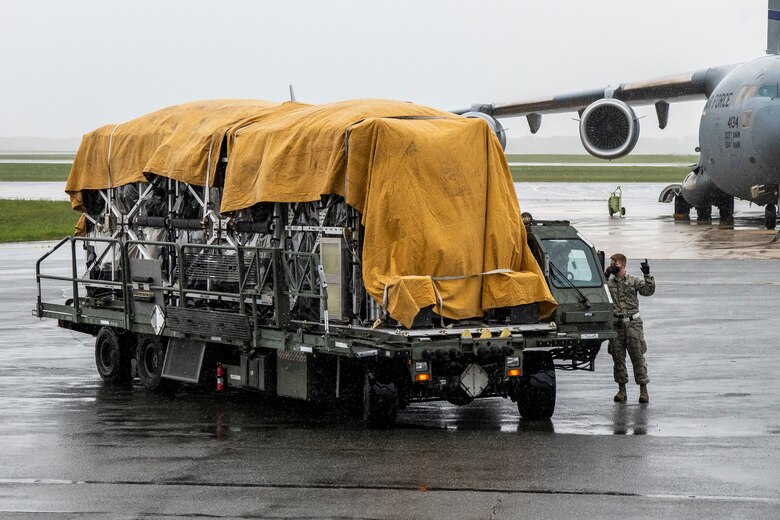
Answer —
512 361
420 366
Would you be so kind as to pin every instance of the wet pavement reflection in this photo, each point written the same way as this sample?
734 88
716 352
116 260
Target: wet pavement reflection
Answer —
630 420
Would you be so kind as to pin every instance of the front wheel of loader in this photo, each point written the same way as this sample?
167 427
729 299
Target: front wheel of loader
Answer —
380 401
536 388
112 357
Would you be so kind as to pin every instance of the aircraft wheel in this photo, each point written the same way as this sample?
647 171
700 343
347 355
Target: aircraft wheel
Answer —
703 213
770 216
682 210
536 392
112 357
726 210
622 212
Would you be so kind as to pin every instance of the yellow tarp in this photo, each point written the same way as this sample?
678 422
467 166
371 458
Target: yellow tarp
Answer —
442 219
435 193
298 155
178 142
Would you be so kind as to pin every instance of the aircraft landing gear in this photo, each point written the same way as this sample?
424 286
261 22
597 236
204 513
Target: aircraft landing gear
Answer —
703 213
726 210
770 216
682 210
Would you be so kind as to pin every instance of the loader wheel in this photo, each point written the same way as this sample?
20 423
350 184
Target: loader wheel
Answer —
112 357
536 392
149 357
380 402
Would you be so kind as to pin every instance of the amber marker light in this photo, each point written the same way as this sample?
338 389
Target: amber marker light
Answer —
422 377
513 372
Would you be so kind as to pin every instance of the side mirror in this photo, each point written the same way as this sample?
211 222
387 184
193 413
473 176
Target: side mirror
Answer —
602 259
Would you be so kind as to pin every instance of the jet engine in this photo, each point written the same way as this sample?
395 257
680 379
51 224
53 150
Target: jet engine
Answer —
494 125
609 129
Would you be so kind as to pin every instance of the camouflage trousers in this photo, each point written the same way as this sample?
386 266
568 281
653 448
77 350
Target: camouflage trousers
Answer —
631 339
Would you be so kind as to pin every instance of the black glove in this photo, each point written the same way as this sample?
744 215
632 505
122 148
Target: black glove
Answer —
645 267
612 269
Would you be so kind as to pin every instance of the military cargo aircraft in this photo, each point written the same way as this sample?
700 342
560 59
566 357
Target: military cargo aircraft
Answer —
739 134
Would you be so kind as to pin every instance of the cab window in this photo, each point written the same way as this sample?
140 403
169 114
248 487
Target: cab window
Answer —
572 260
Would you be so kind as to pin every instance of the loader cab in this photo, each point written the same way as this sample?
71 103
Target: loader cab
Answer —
570 262
574 274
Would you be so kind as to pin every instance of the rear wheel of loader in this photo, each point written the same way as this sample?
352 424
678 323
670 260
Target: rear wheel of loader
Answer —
112 357
380 401
149 357
536 392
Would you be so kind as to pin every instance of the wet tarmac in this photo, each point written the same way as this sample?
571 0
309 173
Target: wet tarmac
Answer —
32 190
707 445
649 230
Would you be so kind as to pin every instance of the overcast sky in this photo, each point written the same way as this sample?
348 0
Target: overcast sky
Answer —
67 67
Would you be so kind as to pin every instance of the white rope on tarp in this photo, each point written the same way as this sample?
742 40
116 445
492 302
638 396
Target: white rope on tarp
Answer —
461 277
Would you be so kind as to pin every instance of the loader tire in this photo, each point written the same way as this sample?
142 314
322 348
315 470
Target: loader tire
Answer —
112 357
536 389
149 357
380 402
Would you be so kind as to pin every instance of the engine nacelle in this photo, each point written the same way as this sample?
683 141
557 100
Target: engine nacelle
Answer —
609 129
697 188
494 124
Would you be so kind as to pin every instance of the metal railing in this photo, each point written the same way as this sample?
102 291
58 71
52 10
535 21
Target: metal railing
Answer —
201 273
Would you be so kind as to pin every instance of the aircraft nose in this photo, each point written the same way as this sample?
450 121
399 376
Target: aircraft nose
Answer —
766 136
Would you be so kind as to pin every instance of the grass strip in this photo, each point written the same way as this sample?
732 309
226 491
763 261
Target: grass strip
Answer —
615 174
50 156
629 159
611 172
32 172
28 220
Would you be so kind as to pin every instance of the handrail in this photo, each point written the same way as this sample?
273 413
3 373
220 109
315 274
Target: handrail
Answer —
287 283
38 302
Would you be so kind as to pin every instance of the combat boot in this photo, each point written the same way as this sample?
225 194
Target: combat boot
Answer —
621 396
643 395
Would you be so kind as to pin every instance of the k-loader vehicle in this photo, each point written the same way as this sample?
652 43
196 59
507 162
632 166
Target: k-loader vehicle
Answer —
365 252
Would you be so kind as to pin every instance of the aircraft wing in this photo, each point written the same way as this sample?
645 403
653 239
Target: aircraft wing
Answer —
680 87
609 127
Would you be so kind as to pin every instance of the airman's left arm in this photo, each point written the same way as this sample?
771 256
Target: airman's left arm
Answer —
645 286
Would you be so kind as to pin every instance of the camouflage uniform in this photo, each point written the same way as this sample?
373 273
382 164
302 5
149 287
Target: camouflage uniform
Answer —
631 335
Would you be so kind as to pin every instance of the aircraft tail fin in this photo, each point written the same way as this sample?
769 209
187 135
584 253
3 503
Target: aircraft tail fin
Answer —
773 28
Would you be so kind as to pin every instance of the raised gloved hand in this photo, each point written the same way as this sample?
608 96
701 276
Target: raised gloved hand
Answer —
645 267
